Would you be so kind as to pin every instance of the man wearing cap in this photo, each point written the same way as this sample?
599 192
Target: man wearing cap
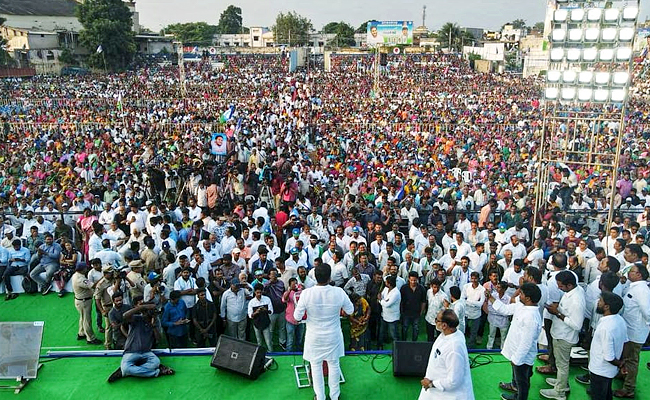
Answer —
294 259
104 289
83 296
234 307
291 242
135 278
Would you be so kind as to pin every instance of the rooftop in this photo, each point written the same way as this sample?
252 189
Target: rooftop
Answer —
54 8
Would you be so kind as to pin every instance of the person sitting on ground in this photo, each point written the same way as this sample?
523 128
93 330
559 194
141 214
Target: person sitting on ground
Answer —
138 359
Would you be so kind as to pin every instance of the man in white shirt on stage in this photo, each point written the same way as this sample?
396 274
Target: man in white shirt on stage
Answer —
637 319
324 339
568 317
606 346
448 376
520 346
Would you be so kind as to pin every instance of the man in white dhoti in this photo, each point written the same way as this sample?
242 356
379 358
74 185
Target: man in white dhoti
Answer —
448 376
324 339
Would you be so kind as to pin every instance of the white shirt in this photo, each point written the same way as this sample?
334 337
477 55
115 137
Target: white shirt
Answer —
448 369
462 250
572 306
520 346
254 303
434 305
474 298
511 276
182 284
518 251
390 304
607 345
637 311
459 308
324 337
339 274
591 271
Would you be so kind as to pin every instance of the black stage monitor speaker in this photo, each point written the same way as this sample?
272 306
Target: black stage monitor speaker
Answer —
411 358
239 356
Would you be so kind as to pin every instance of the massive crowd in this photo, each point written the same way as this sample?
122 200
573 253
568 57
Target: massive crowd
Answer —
419 196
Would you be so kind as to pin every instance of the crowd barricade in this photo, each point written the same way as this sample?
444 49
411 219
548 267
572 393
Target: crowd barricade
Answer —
216 126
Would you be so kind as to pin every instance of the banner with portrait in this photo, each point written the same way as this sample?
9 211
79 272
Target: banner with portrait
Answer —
219 144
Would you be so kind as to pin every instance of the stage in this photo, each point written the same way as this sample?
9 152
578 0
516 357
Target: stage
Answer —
85 377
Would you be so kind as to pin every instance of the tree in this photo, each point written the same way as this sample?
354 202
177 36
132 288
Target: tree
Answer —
196 33
291 28
539 27
107 23
363 28
516 24
344 33
67 57
451 34
230 21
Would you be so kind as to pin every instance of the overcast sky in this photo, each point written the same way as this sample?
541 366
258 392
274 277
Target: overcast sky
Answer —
488 14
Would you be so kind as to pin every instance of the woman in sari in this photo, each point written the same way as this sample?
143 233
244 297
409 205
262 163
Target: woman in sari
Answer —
85 226
359 323
68 262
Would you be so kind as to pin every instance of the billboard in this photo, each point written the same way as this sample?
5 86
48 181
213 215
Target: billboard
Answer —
384 33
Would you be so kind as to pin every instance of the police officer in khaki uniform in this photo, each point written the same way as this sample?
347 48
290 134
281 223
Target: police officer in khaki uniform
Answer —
83 296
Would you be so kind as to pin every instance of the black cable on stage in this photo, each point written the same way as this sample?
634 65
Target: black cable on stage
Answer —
375 358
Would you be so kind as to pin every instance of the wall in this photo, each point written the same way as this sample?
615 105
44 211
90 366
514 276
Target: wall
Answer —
42 23
490 51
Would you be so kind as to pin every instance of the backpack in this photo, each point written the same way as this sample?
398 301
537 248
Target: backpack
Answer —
29 285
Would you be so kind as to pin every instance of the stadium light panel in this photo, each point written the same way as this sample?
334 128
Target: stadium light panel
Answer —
594 15
585 77
623 54
560 15
611 15
590 54
558 35
630 13
553 75
601 95
569 76
608 34
568 93
577 14
575 35
585 94
618 95
602 78
621 78
606 54
626 34
592 34
573 54
557 54
551 93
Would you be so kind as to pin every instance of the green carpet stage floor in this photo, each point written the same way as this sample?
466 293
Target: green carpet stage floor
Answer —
85 378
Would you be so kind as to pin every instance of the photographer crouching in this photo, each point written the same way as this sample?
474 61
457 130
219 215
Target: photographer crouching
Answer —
138 359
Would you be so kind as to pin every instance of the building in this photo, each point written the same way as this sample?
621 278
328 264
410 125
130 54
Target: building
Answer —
37 32
256 37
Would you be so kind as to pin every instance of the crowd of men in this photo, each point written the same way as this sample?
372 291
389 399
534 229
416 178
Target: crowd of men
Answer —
419 197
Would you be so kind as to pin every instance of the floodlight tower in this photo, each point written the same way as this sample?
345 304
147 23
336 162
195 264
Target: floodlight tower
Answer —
586 92
181 67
